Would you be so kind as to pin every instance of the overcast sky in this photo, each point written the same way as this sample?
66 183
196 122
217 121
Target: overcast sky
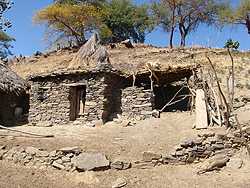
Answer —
30 37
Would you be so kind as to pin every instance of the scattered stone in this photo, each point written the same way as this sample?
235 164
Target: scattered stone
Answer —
40 153
149 156
90 161
217 147
187 143
53 153
66 159
31 150
198 141
120 165
215 164
75 150
59 161
238 105
156 114
206 135
120 182
58 166
235 163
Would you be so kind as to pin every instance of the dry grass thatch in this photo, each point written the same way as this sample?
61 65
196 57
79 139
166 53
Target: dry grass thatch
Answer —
128 61
10 82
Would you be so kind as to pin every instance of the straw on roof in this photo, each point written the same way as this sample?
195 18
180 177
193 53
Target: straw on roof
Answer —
10 82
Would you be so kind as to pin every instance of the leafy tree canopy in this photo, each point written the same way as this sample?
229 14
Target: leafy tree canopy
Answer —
127 21
4 24
66 20
115 20
237 15
186 15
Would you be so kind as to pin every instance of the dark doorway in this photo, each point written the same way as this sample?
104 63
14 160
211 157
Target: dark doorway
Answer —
163 94
77 101
14 109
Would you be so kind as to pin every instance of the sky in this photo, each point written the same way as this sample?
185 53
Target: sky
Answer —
30 37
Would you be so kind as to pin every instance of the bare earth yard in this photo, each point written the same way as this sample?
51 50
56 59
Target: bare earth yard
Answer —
117 142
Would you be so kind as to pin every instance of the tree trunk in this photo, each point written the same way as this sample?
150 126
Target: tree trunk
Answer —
248 24
171 37
172 27
183 35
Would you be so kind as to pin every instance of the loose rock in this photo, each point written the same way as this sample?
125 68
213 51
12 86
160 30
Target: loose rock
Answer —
90 161
235 163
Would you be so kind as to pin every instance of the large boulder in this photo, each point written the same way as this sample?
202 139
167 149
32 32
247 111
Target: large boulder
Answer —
90 161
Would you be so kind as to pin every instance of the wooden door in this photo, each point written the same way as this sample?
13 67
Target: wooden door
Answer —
77 102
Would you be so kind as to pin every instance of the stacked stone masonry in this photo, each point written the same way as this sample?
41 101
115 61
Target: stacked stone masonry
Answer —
137 103
106 97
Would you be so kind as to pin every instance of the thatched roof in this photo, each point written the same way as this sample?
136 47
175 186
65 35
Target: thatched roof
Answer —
10 82
127 61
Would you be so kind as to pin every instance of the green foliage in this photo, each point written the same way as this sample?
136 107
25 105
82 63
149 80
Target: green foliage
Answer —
232 44
70 20
162 15
4 24
186 15
236 15
115 20
127 21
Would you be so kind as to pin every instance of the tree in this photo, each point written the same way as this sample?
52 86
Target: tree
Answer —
126 21
237 15
114 20
67 19
165 14
4 24
187 15
74 2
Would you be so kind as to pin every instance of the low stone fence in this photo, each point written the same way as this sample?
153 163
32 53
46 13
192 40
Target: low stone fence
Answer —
218 147
68 158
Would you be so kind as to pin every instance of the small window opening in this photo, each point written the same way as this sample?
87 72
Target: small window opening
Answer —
42 94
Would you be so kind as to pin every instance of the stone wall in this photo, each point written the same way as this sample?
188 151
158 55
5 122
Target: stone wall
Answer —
137 103
49 103
106 97
50 99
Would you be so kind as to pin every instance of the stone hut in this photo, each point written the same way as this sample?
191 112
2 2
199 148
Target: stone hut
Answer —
61 97
98 83
14 97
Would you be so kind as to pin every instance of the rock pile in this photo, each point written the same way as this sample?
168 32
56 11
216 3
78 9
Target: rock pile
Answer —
68 158
206 146
218 148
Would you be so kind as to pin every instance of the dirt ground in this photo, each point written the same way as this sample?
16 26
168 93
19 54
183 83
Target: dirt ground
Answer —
117 142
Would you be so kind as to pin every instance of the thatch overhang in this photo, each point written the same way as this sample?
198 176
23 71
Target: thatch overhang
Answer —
72 73
173 64
11 83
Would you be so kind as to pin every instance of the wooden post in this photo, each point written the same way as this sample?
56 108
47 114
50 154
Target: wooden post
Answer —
201 110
